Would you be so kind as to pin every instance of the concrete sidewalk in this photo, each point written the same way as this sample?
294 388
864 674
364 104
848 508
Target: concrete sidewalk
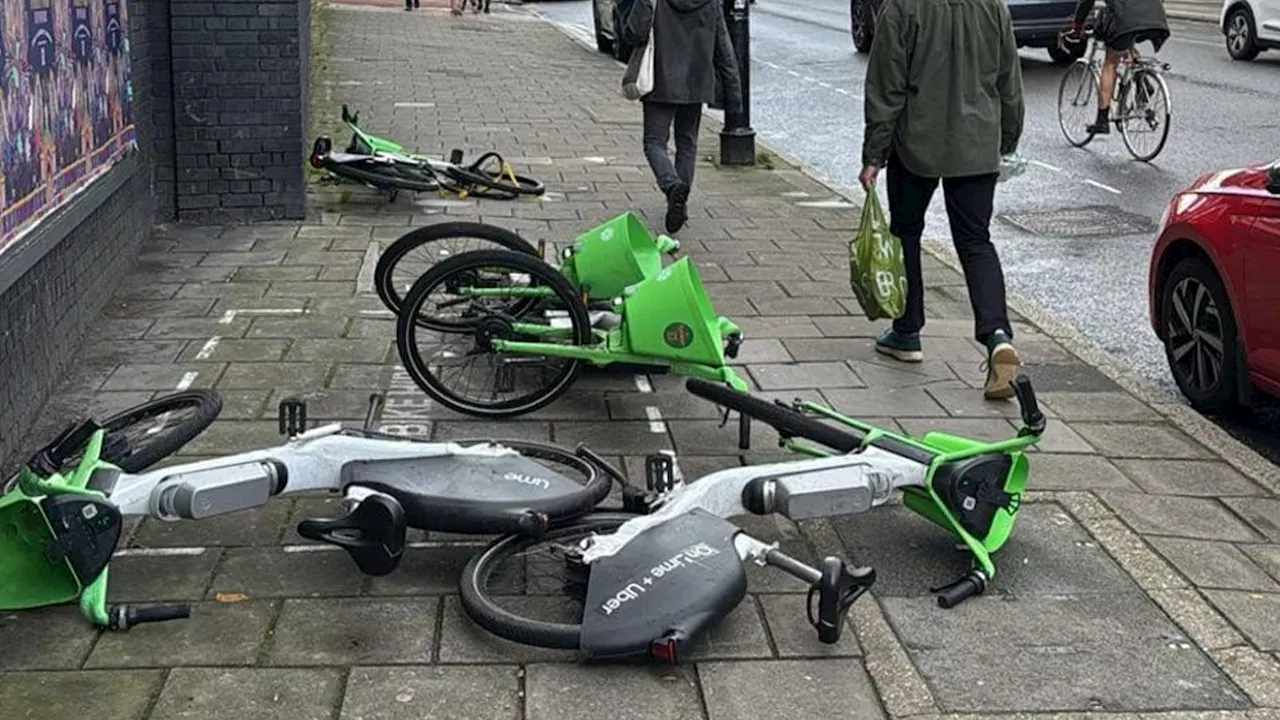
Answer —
1142 581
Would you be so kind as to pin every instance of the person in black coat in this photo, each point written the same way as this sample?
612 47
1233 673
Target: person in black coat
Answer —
691 49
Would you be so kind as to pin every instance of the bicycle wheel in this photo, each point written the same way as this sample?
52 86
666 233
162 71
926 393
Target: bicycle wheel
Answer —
492 176
1077 103
415 252
1146 115
444 333
144 435
533 591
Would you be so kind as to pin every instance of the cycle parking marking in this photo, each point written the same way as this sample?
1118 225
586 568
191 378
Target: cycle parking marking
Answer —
656 423
643 384
407 407
209 346
161 552
364 278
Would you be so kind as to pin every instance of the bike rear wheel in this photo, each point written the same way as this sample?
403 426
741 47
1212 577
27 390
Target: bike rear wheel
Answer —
417 251
533 591
492 176
1077 103
445 333
1145 124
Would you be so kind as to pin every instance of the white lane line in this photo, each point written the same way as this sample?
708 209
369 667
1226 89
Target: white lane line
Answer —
1097 184
309 548
364 279
1046 165
826 85
228 317
643 385
656 425
269 311
187 380
207 349
161 552
793 73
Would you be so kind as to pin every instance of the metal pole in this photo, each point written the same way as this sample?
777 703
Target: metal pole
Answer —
737 139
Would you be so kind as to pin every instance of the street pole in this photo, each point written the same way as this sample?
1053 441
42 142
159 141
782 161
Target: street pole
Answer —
737 139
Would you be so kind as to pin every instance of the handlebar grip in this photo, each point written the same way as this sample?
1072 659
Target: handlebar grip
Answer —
963 589
123 617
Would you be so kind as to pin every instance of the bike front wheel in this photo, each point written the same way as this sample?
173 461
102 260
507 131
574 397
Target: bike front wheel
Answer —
1077 103
534 591
490 174
142 436
1144 125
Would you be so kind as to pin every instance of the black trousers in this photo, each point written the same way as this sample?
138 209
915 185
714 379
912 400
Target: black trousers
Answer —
658 121
969 208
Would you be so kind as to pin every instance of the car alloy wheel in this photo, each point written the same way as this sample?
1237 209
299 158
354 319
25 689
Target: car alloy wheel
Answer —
1197 346
1240 42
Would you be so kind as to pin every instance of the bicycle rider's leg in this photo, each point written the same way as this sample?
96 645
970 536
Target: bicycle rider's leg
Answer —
1117 47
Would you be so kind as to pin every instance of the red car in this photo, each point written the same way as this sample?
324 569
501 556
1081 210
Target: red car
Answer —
1214 287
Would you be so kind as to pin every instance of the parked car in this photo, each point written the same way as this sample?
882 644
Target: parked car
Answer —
1036 23
1250 27
607 17
1214 286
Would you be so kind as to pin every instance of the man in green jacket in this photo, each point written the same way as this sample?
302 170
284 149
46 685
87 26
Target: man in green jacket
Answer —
944 102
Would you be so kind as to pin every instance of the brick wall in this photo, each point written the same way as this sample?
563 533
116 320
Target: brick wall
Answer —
239 118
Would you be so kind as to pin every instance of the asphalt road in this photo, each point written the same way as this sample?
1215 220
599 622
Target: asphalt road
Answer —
1090 272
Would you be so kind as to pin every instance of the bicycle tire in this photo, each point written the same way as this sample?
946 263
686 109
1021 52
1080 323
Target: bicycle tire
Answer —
158 443
410 321
383 272
474 175
1168 115
370 173
1092 77
481 608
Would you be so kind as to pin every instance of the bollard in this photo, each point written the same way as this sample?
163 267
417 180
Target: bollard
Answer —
737 139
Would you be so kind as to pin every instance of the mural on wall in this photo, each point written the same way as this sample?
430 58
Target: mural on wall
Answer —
65 101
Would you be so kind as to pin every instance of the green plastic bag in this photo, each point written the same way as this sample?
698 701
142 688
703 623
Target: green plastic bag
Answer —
876 271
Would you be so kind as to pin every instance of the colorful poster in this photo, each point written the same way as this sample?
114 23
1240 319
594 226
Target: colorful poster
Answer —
65 101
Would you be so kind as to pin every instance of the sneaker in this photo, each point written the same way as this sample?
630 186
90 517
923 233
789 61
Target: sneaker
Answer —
899 346
1002 367
677 207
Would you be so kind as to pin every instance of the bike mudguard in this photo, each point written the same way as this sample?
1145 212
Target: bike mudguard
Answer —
51 547
666 587
470 494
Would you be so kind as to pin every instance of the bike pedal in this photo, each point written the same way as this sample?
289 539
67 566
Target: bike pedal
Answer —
635 500
455 157
293 416
659 472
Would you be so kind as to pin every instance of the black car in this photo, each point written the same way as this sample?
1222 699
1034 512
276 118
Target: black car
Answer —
1036 23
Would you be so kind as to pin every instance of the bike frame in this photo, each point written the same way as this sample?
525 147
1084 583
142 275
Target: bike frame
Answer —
1126 68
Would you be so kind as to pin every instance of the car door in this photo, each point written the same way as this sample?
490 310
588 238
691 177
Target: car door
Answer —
1268 20
1262 286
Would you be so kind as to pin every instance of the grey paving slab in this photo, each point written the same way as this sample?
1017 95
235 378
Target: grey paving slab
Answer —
762 350
265 693
235 350
877 373
709 437
977 428
225 437
319 570
354 631
107 694
787 618
258 526
201 328
1266 556
672 406
884 402
284 377
556 691
1254 613
156 377
244 404
142 578
1214 564
1132 440
834 688
474 429
216 634
1047 554
52 638
805 375
1199 518
430 571
1263 514
811 349
1054 471
432 693
462 641
620 437
1110 652
367 350
1188 477
1097 406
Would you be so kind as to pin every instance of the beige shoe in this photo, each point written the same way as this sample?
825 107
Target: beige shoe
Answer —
1003 365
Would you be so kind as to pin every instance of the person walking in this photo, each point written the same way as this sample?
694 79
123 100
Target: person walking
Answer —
943 102
691 50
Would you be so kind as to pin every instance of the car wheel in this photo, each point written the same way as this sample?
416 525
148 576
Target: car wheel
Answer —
861 24
621 50
604 43
1200 336
1067 56
1242 36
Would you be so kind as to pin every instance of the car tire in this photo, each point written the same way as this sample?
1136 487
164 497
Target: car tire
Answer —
604 43
1192 323
621 50
1068 56
1241 35
862 20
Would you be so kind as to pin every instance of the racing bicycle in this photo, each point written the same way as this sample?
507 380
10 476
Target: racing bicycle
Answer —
1140 104
613 585
62 514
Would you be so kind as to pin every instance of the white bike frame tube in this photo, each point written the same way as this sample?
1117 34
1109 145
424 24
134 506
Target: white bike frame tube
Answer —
860 480
312 461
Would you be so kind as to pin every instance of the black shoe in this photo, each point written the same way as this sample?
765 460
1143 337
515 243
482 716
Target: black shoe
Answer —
1101 125
677 207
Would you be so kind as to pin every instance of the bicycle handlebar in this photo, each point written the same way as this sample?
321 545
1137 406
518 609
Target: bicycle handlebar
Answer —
123 617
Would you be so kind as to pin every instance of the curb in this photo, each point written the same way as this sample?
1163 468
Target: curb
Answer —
1181 416
1192 16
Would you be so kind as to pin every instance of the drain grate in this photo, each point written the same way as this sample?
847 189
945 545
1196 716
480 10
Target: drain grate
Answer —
1087 221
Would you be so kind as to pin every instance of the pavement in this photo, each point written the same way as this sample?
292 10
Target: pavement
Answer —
1143 580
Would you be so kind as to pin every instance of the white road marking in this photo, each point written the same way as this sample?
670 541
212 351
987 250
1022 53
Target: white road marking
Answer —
161 552
187 380
642 384
1045 165
310 548
207 349
227 317
377 313
364 278
793 73
824 84
656 425
1097 184
415 105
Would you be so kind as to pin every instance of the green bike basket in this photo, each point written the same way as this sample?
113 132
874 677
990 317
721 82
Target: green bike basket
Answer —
669 316
609 258
28 579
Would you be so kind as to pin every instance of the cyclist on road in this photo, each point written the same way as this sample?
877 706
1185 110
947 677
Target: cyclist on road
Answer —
1121 26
